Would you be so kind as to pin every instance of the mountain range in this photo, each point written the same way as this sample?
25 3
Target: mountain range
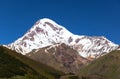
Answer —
46 32
57 48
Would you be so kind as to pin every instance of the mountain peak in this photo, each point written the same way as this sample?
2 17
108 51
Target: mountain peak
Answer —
46 32
44 20
47 20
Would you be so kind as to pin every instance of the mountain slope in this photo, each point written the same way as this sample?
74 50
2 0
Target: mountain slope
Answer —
14 65
46 32
60 57
105 67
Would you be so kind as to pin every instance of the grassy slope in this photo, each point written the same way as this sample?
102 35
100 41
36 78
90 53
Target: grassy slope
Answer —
106 67
18 66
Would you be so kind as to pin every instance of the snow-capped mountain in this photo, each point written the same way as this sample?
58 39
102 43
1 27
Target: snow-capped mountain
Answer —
46 32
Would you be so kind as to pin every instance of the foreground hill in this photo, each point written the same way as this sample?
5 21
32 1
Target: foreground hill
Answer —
106 67
17 66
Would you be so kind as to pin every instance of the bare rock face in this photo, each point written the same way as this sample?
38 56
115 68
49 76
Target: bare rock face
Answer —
59 56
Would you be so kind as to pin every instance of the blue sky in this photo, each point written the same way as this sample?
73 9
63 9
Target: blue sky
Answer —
82 17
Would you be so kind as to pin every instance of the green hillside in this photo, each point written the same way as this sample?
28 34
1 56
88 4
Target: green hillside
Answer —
17 66
105 67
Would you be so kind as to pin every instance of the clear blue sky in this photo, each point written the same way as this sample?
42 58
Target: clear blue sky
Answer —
82 17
